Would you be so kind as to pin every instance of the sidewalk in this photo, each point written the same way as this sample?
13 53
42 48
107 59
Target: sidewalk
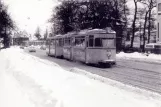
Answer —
11 94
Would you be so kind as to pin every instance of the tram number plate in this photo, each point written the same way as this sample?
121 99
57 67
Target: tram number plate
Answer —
108 53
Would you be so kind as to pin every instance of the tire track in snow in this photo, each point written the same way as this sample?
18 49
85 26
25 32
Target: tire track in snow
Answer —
35 93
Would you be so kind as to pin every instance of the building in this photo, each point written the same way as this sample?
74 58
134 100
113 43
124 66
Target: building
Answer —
19 40
36 42
138 40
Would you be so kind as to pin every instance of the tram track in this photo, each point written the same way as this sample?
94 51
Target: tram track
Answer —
158 62
147 81
135 78
139 69
141 74
140 84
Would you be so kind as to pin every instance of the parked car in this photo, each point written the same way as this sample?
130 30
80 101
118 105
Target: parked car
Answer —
32 49
43 47
21 47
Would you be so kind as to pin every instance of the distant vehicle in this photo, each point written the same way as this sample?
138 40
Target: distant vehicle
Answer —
32 49
43 47
96 46
1 45
22 47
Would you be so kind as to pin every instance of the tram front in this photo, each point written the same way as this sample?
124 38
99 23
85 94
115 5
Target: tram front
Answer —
102 47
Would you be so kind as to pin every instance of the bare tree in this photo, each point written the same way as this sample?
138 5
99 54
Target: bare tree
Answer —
144 31
134 21
152 4
37 33
46 34
149 5
6 25
141 13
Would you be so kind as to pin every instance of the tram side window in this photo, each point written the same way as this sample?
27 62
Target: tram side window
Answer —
72 41
91 38
80 42
77 42
57 42
53 42
87 42
108 43
98 42
60 42
67 42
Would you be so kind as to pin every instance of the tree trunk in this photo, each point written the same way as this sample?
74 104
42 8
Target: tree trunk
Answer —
144 31
133 25
6 39
125 24
149 27
140 35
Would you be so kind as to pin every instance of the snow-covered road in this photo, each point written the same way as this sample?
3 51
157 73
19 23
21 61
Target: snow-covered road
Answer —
28 81
136 72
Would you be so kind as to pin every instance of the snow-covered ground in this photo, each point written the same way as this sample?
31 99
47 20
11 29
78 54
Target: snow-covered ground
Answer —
140 57
46 84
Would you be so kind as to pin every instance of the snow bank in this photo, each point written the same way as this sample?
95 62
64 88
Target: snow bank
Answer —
46 83
139 56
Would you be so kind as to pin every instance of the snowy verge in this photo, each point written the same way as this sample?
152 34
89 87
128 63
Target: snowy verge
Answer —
11 94
139 57
48 85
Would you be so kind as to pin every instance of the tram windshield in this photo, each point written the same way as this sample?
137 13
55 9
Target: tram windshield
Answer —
108 43
52 43
104 42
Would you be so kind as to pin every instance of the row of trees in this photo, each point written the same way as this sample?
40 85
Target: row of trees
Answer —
6 25
39 36
147 13
75 15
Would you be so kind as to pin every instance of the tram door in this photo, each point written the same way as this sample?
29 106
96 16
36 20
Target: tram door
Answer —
72 48
86 48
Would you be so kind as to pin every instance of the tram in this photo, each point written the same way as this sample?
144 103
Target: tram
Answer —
55 46
96 46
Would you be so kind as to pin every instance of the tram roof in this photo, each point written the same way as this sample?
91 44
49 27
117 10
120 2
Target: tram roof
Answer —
84 32
58 36
96 31
91 31
69 34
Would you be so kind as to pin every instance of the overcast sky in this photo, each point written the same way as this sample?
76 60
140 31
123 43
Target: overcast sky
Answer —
28 14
